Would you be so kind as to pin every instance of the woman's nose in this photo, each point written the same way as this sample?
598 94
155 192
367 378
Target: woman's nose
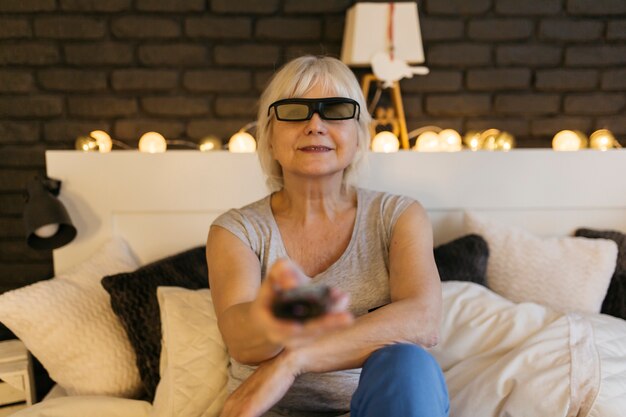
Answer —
315 125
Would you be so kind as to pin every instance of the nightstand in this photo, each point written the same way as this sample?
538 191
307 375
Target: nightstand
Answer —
17 385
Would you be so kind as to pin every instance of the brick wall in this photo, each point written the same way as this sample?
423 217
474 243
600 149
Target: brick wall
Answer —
188 68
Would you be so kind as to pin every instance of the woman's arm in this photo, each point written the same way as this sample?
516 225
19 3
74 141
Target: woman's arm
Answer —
235 280
242 301
413 316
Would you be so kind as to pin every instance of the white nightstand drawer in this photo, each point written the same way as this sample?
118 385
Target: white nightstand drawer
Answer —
10 394
16 375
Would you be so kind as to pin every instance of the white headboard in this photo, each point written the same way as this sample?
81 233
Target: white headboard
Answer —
164 203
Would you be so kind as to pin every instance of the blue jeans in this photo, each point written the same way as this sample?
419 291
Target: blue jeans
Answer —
401 380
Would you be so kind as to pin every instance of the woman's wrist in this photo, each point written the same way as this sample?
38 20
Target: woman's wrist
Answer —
295 360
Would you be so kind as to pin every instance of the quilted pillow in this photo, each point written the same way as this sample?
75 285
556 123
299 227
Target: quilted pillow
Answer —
564 273
134 300
463 259
67 323
615 301
194 361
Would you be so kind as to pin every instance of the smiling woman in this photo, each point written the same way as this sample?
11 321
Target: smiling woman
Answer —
373 250
331 79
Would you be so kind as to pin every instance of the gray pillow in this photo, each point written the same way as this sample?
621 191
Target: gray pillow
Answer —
134 301
463 259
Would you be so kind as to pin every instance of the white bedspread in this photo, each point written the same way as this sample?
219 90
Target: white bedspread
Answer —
514 360
500 359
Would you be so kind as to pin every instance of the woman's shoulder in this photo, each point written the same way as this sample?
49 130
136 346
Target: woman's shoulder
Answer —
250 213
383 198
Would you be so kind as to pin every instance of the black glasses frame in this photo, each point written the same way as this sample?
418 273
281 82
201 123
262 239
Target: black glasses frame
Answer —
316 105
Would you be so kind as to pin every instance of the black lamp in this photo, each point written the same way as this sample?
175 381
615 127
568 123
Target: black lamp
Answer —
48 225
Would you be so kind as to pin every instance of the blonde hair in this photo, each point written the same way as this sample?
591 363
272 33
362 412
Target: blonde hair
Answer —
295 79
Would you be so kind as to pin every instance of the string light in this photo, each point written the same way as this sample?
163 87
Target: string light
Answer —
435 139
427 142
473 140
152 142
242 141
385 142
103 140
603 140
210 143
569 140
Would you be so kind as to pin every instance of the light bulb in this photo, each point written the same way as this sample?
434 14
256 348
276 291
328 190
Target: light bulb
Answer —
152 142
569 140
428 141
602 140
385 142
473 140
242 142
86 144
47 231
450 140
489 138
505 142
210 143
105 144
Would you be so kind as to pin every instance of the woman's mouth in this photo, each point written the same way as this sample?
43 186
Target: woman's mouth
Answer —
315 148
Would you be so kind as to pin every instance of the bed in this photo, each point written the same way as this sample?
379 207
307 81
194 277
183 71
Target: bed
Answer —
529 341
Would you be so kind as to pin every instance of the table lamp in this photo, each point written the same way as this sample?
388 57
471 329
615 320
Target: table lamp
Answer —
385 36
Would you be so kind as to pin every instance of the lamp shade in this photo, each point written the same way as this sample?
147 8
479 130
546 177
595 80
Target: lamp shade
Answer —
367 33
47 223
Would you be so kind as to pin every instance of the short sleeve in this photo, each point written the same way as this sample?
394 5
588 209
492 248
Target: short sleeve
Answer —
235 222
392 208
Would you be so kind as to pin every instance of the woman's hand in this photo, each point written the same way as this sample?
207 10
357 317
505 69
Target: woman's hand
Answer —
264 388
284 275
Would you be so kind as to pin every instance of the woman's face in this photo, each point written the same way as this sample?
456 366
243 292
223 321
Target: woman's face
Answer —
314 148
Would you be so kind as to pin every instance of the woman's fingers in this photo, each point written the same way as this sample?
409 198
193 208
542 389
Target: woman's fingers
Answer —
284 275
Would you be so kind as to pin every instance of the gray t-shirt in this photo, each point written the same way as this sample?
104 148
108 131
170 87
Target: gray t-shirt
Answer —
362 271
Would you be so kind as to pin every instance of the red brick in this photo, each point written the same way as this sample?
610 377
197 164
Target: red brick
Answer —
458 105
100 53
101 106
16 81
29 53
15 29
141 27
72 80
144 80
30 106
19 132
174 55
175 106
69 27
217 80
218 27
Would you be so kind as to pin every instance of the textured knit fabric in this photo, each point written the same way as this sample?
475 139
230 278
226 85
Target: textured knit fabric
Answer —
362 271
134 301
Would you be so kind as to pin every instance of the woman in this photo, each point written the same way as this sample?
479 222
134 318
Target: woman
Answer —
374 249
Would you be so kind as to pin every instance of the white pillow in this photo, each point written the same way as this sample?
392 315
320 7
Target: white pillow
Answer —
87 405
194 362
68 324
564 273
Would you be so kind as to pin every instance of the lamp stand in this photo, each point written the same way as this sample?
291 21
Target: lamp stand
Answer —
396 98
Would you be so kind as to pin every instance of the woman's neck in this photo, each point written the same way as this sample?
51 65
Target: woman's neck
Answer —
305 201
